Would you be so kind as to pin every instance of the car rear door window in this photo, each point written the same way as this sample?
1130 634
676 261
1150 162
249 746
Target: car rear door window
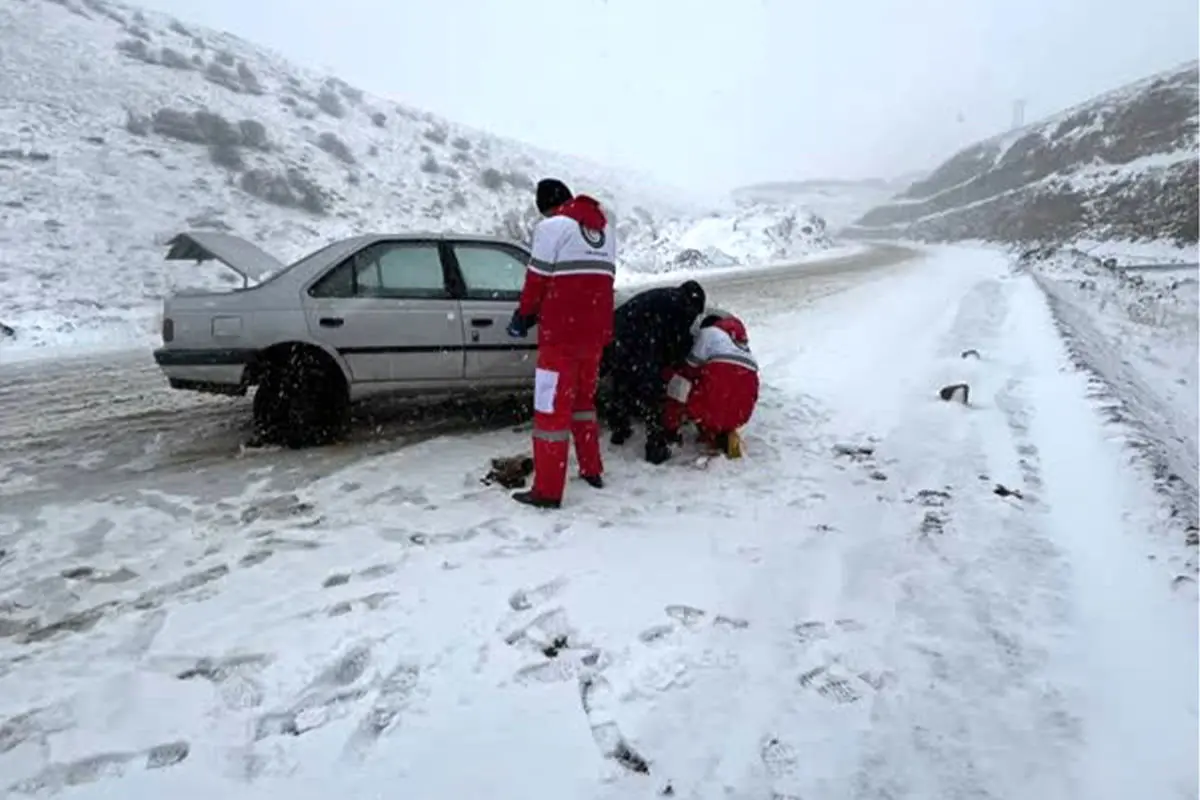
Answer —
410 271
490 272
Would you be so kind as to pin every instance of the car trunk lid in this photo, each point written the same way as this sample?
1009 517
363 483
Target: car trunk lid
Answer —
243 257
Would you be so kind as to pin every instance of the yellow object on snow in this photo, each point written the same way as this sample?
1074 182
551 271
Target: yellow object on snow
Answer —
733 446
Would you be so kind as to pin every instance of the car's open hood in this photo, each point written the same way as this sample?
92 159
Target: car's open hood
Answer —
234 252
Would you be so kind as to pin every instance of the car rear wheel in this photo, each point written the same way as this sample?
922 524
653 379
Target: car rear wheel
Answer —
301 401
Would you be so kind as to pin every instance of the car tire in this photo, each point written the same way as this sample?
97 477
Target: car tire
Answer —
301 403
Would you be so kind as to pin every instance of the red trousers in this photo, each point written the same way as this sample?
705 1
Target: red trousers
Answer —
564 406
721 400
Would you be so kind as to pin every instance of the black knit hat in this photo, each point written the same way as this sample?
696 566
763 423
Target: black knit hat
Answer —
551 193
693 296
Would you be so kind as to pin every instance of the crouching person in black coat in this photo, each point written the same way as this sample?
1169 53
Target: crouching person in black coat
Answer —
652 333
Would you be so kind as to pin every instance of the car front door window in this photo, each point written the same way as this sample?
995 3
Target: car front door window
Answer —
490 273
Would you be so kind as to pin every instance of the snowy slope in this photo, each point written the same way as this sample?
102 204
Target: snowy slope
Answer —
120 127
1121 166
838 202
852 610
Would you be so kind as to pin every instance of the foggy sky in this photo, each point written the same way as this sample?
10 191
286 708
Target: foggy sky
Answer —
710 94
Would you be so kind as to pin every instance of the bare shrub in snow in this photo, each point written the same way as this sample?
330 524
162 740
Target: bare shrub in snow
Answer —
248 79
174 59
216 130
223 76
451 173
379 119
137 124
518 225
347 91
197 60
330 143
491 178
225 58
460 157
518 180
226 156
139 33
17 154
329 102
430 165
174 124
373 150
254 134
458 199
209 218
436 134
461 143
137 49
177 26
291 190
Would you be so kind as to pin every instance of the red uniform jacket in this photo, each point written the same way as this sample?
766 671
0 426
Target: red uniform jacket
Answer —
569 282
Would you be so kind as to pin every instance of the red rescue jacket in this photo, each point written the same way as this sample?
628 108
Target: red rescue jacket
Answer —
569 281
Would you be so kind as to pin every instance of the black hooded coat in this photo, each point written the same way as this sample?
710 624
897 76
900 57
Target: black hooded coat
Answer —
651 331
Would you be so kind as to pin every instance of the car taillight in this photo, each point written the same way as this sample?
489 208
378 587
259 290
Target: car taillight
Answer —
168 330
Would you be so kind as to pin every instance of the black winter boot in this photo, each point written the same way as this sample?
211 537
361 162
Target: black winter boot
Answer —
531 499
657 450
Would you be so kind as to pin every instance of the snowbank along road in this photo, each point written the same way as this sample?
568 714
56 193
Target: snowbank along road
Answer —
890 596
86 424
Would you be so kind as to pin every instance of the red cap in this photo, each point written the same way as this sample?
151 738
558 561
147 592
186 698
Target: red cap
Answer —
734 327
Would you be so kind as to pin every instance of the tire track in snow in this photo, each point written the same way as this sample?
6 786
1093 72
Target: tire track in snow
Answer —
980 595
1171 451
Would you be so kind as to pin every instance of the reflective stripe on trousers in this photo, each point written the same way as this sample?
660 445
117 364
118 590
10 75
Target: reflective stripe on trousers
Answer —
551 436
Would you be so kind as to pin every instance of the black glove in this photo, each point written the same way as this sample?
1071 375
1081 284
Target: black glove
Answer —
519 326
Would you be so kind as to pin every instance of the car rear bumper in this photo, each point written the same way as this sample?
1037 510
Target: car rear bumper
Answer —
213 371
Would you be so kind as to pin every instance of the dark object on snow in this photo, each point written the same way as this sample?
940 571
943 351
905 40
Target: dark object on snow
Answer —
948 392
555 647
651 331
854 451
628 758
970 353
510 472
5 330
1003 491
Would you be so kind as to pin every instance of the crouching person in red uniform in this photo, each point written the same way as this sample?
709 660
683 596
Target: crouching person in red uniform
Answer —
568 295
718 387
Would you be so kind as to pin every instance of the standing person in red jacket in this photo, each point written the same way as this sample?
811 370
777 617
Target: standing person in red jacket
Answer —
568 295
718 386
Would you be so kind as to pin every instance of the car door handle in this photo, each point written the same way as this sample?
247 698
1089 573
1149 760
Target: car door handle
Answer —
482 322
332 322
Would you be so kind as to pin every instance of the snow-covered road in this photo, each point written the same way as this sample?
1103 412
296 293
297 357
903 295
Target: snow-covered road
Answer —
100 422
857 609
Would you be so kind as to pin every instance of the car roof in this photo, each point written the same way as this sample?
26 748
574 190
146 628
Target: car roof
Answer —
436 235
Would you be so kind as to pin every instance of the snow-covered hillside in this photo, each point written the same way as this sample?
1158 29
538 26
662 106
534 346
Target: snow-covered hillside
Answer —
121 127
757 234
1121 166
838 202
